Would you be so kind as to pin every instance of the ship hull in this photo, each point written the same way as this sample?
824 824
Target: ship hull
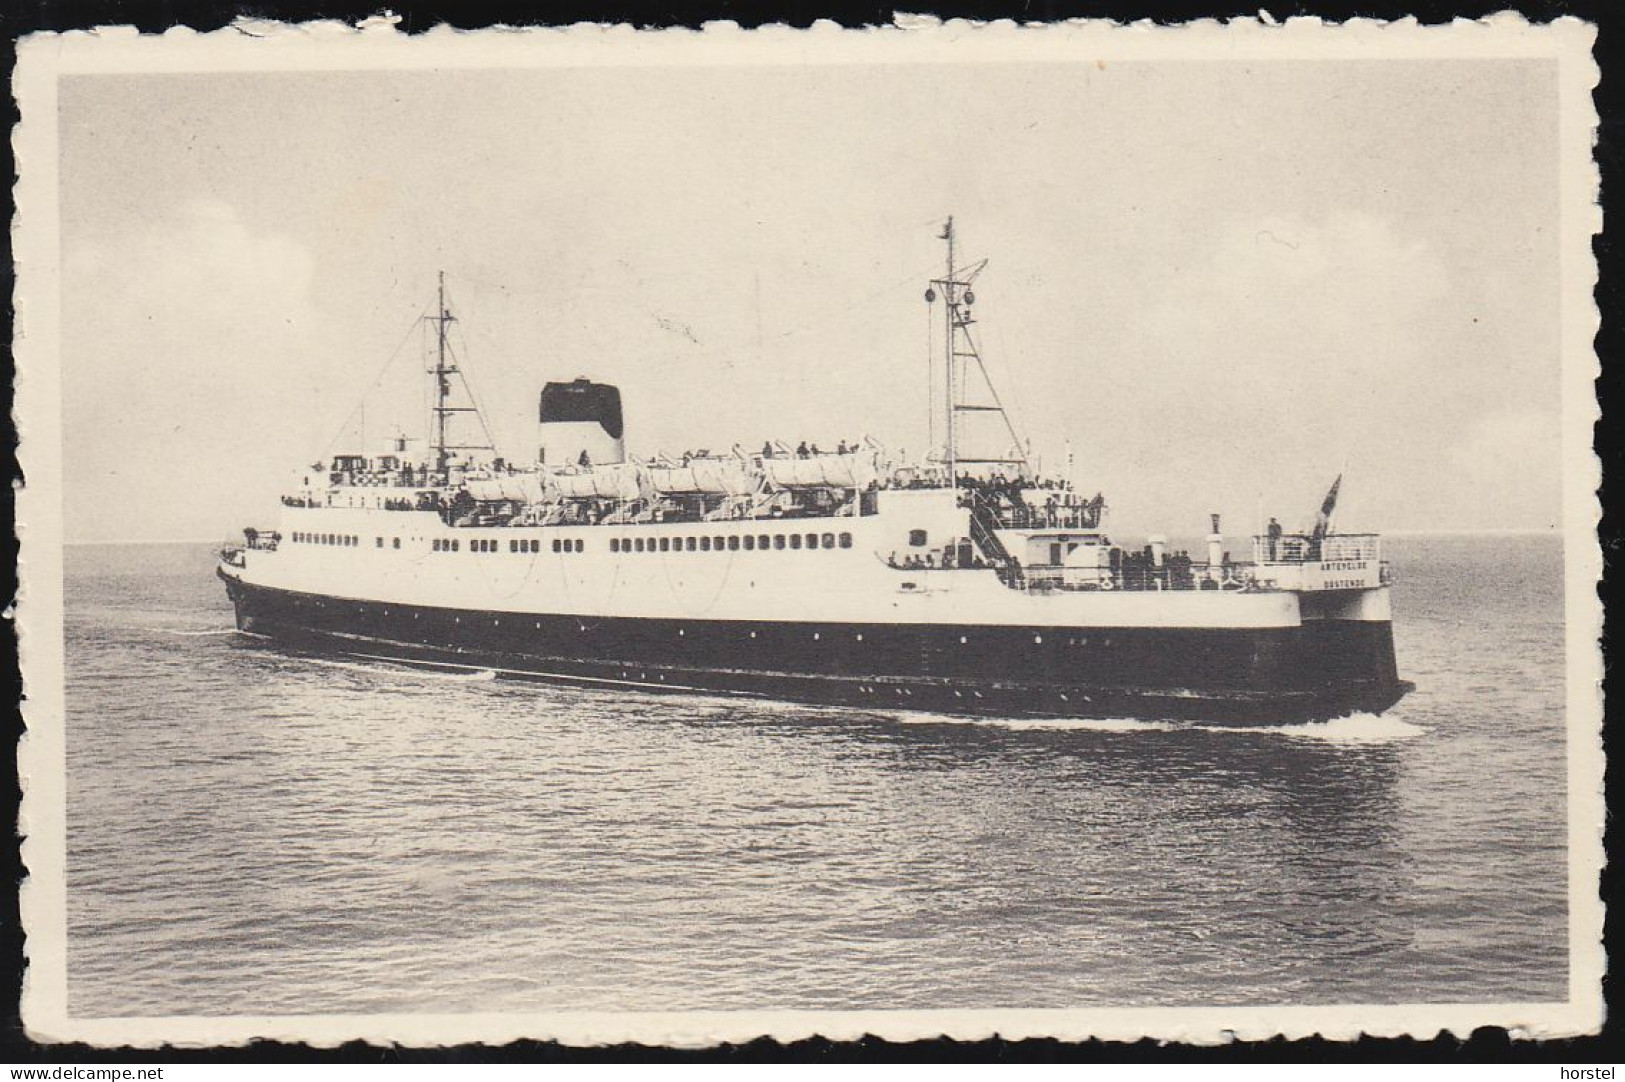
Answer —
1258 676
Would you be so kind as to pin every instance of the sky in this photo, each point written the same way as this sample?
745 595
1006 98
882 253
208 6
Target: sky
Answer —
1216 281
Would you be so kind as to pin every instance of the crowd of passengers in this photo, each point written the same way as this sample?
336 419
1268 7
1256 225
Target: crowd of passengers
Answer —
962 556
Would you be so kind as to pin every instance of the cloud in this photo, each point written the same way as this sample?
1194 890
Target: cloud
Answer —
181 333
1510 460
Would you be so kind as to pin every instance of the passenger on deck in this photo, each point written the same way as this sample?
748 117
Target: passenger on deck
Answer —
585 459
1274 532
841 449
801 449
767 449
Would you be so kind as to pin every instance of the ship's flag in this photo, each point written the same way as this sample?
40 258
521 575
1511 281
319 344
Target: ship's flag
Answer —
1323 521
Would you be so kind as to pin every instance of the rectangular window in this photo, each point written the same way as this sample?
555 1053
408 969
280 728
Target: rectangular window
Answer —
717 544
778 540
812 540
615 544
705 544
688 543
650 547
513 544
665 544
846 540
637 545
581 546
454 544
761 541
916 538
394 542
750 542
556 545
829 540
795 540
733 543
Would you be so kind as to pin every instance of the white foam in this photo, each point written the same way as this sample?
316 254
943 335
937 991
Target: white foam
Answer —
1095 725
190 634
402 668
1351 729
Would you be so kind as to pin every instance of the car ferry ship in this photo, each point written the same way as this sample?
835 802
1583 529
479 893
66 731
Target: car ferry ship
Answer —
962 583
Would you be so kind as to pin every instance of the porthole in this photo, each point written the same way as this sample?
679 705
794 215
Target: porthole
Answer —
1038 639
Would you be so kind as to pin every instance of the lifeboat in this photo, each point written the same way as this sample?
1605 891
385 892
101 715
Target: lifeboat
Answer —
821 471
521 488
618 482
704 477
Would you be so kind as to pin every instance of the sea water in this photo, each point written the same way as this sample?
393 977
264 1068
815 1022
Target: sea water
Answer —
251 832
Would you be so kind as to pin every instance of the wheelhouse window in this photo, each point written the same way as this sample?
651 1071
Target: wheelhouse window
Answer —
916 538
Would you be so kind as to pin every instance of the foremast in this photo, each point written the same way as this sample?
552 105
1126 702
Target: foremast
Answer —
967 388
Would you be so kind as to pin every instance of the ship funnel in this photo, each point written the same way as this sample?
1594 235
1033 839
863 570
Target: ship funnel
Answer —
580 419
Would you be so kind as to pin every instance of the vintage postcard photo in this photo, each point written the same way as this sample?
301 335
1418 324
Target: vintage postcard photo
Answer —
614 535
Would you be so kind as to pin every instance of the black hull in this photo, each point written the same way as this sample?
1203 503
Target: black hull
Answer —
1321 670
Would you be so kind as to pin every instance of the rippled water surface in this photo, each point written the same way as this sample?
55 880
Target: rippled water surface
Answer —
251 832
